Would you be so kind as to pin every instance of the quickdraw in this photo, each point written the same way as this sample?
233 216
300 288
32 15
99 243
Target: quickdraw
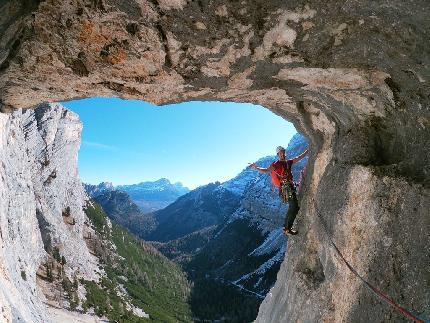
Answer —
286 191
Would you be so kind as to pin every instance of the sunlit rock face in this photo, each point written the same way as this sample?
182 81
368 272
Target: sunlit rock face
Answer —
40 206
352 76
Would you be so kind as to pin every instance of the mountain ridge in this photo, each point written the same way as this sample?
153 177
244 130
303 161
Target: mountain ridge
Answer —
149 196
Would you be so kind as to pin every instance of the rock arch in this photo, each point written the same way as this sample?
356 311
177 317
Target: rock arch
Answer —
352 76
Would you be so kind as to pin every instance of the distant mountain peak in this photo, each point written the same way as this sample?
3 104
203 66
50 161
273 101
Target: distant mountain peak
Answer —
94 190
151 184
107 185
154 195
149 196
163 180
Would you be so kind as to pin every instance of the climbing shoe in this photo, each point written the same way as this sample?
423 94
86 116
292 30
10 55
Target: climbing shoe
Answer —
290 232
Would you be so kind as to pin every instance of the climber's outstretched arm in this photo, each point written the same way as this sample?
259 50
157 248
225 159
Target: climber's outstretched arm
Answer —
297 158
261 169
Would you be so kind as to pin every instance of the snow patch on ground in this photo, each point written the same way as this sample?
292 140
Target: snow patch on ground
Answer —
265 266
275 240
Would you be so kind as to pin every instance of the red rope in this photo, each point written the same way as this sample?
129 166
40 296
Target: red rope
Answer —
376 291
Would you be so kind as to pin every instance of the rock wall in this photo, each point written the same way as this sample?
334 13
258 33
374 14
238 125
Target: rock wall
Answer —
41 200
351 75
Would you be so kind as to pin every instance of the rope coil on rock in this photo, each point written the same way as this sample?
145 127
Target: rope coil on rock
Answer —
408 314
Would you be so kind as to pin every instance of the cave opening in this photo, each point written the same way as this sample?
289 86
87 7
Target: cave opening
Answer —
221 138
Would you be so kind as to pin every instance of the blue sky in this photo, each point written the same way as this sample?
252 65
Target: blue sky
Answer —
127 142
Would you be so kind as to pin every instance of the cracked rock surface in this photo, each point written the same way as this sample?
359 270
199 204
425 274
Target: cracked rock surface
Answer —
353 77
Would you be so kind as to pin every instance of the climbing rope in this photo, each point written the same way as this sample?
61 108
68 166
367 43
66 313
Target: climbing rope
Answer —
376 291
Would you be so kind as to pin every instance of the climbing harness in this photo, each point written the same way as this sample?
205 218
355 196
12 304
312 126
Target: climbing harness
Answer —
286 191
376 291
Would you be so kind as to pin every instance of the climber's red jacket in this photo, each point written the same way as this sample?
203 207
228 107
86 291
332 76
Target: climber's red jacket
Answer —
281 171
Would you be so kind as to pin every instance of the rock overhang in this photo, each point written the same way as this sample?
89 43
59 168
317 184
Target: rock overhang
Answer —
176 51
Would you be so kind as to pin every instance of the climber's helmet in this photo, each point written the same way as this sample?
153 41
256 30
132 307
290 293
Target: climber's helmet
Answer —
279 149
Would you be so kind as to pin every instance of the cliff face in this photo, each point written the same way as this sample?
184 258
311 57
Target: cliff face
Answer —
352 76
40 206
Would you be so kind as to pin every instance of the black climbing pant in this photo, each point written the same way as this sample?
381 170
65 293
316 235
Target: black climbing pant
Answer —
293 209
287 193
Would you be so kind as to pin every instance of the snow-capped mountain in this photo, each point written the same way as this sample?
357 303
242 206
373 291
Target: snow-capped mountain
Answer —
148 196
94 190
152 196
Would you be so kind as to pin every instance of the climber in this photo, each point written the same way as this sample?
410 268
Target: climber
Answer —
282 177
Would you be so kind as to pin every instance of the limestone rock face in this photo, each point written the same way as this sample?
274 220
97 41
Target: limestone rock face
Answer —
352 76
40 206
